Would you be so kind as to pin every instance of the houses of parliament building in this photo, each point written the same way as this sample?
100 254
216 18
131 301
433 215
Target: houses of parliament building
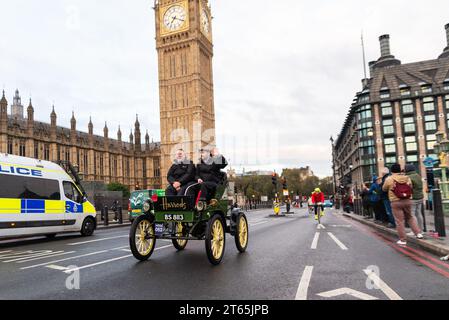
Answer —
185 50
98 158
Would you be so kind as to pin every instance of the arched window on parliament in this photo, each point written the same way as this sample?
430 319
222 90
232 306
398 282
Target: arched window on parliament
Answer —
101 166
46 152
36 150
22 148
10 145
157 168
85 163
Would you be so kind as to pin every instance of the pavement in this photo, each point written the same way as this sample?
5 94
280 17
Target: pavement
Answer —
431 242
288 258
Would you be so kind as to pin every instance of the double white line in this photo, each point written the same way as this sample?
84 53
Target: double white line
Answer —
317 237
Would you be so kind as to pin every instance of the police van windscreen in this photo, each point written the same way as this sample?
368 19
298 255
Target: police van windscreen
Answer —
18 187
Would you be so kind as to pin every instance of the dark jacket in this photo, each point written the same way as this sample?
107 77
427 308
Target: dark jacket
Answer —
417 185
183 173
384 195
211 172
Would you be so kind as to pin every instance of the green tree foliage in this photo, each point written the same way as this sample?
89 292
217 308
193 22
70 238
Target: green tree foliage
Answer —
119 187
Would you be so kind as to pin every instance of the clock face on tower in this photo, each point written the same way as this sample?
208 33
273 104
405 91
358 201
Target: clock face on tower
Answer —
205 23
175 18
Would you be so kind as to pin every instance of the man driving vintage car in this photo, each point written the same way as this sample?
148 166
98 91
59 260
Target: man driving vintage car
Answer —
181 175
208 172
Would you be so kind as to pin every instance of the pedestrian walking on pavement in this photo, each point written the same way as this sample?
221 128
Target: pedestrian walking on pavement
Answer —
418 194
399 188
386 200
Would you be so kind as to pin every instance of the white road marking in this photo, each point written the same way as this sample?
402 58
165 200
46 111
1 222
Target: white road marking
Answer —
338 242
55 267
126 250
258 224
5 251
33 255
47 256
390 293
348 291
119 248
96 240
315 241
303 287
320 226
70 258
109 260
341 226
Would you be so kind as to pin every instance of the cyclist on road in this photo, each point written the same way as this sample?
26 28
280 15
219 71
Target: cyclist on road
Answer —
317 200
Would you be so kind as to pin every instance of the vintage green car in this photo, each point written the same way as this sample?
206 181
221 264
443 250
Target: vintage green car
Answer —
184 218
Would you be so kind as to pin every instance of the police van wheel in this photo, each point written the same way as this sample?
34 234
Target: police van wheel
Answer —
88 227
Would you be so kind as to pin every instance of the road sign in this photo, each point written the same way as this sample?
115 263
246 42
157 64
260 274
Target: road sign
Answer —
264 198
348 291
285 192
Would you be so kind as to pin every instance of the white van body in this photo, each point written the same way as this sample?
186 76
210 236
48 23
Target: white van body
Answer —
39 198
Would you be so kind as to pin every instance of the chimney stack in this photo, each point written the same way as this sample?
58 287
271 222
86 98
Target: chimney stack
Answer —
447 35
445 53
385 45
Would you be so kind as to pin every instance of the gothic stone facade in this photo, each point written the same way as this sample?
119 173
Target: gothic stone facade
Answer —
395 118
99 158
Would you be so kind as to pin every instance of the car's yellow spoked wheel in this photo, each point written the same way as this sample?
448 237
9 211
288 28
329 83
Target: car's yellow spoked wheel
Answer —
142 239
241 235
144 244
215 239
178 243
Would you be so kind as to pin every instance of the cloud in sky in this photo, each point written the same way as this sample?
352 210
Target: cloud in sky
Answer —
285 72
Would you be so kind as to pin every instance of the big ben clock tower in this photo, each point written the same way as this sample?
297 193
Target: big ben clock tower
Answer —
185 50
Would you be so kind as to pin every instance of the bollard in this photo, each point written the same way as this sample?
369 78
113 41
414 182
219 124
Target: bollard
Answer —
106 215
423 219
438 213
120 214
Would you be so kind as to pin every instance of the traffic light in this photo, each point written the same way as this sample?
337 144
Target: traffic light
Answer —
284 183
274 179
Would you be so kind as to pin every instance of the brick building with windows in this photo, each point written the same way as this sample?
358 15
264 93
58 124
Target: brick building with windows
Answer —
99 158
394 118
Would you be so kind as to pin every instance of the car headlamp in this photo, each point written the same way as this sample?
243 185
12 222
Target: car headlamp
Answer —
201 205
146 207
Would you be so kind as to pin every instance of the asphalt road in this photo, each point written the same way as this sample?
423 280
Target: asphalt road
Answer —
288 258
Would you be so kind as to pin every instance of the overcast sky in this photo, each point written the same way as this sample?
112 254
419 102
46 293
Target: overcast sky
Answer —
285 71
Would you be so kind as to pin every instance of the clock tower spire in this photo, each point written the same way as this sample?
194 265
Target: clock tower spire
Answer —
185 51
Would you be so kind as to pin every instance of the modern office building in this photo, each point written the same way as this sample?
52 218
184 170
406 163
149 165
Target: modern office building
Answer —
394 118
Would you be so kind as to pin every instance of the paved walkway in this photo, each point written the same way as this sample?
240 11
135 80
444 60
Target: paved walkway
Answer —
431 243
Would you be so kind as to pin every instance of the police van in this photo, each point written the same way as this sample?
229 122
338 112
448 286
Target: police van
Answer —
41 198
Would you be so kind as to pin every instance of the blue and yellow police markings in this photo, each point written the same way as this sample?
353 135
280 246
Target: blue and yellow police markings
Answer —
10 206
72 207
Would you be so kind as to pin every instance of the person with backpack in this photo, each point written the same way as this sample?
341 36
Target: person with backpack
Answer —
399 188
